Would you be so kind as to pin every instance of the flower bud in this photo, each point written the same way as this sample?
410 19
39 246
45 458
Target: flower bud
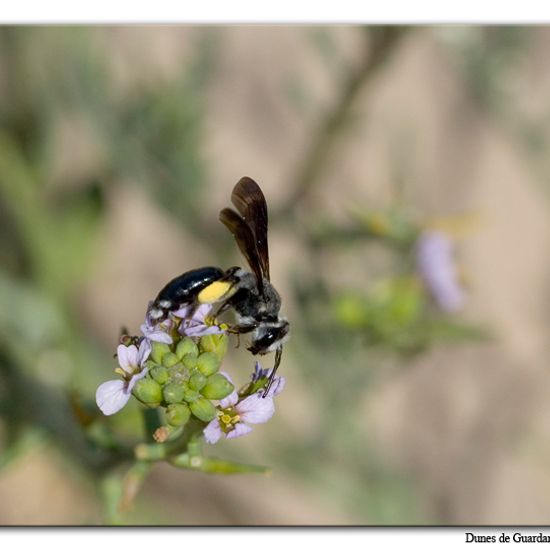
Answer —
215 343
170 359
186 346
158 350
203 409
161 434
189 360
197 381
208 363
173 392
160 375
148 392
190 395
217 387
177 414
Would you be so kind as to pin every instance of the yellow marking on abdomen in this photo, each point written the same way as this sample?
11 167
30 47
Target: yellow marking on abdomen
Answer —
214 292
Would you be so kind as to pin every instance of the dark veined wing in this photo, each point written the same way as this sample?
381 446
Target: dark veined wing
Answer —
245 239
250 202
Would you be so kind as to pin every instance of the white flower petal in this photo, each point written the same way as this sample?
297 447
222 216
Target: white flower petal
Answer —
156 334
160 336
111 396
256 409
182 312
212 432
229 401
240 430
132 356
144 351
202 312
123 358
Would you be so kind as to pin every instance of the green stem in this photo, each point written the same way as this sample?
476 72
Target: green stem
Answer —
187 452
211 465
190 442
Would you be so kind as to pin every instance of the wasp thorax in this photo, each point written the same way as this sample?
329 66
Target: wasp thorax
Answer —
251 305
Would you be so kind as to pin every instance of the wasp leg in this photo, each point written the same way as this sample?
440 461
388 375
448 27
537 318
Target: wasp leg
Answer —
235 330
240 329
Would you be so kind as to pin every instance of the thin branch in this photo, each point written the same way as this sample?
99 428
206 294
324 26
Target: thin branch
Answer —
379 43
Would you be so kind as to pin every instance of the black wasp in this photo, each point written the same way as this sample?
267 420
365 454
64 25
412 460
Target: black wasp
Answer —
251 296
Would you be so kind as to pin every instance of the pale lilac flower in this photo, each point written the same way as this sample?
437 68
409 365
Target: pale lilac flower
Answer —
157 332
194 321
434 257
112 395
236 414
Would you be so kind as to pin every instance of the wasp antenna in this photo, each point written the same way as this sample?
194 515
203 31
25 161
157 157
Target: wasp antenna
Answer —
278 354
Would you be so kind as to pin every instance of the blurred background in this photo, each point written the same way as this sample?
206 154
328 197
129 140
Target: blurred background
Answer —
118 148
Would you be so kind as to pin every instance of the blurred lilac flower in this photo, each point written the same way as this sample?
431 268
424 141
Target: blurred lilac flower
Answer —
436 267
112 395
236 414
194 323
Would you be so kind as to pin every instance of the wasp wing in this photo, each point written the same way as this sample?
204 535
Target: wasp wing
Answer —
245 239
250 202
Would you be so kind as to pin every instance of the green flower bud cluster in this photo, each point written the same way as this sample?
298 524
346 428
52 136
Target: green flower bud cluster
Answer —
183 378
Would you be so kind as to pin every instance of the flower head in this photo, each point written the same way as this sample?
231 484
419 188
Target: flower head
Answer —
196 322
111 396
436 267
237 412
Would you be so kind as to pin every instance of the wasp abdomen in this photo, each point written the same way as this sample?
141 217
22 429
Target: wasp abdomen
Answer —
183 289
